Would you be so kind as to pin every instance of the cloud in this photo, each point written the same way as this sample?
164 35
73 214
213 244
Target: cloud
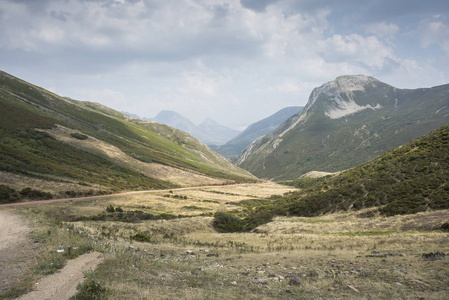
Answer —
227 59
198 84
369 51
434 32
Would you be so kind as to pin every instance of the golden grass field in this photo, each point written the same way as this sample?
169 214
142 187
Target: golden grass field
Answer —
337 256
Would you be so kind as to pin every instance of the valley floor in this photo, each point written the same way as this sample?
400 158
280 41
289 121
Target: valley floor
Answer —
338 256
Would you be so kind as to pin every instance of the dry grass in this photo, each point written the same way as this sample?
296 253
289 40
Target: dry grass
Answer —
339 256
50 185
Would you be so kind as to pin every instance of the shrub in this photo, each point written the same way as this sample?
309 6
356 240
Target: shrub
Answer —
79 136
90 289
110 209
7 194
227 222
140 237
445 227
35 194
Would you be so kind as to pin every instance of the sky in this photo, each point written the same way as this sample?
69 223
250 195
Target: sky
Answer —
235 61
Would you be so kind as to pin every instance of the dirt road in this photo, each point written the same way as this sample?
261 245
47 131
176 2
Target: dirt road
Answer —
17 253
15 249
108 195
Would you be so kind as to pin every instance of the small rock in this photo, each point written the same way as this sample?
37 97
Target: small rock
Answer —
398 283
294 281
260 281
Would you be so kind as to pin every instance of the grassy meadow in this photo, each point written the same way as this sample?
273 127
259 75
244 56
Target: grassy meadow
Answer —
162 245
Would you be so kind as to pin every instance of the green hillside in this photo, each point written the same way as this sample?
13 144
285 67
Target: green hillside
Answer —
409 179
347 122
58 143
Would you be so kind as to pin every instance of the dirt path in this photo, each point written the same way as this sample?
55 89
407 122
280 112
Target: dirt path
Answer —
110 195
62 285
17 253
15 249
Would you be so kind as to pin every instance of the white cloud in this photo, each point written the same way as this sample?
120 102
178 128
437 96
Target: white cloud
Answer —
219 58
198 84
357 49
435 32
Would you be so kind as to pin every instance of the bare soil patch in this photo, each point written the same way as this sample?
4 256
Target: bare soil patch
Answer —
15 249
62 285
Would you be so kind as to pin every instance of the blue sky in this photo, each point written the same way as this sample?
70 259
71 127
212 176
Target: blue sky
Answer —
233 61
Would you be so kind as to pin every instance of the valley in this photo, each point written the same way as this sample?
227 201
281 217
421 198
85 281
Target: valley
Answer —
159 215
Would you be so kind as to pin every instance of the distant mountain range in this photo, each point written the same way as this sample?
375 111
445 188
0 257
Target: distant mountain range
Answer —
234 147
209 131
345 123
69 147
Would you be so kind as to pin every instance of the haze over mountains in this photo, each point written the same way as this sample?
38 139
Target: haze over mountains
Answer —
209 131
234 147
346 122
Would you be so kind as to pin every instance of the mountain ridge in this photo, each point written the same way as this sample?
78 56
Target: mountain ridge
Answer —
260 128
346 122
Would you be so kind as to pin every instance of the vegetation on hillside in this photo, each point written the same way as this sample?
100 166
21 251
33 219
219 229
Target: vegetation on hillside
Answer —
410 179
27 110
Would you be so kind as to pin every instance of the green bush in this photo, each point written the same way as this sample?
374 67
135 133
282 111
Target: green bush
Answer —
90 290
445 227
227 222
7 194
79 136
140 237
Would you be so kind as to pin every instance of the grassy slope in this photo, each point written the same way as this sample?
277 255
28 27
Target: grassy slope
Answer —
24 150
410 179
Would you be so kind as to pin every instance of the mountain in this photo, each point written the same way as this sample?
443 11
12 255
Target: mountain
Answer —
175 120
345 123
409 179
70 147
234 147
209 131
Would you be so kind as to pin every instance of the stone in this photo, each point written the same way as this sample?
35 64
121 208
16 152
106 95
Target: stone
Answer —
260 281
294 281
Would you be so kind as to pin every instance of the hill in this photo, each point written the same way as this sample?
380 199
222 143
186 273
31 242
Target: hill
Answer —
59 146
409 179
209 131
346 122
234 147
